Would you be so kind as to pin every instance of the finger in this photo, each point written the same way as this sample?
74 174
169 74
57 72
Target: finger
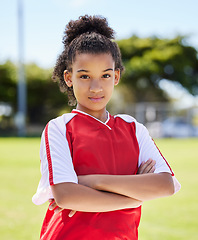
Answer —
58 209
152 170
52 205
71 214
141 167
51 200
145 165
150 164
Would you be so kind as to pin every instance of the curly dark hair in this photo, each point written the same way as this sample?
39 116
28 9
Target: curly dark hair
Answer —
88 34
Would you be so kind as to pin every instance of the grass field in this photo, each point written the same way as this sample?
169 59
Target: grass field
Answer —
173 218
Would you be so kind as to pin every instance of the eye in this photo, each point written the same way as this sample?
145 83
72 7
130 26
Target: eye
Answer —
84 76
106 76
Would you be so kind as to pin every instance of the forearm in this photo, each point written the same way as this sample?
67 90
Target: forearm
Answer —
142 187
85 199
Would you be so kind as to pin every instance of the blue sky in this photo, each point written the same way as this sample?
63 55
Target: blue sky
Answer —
45 20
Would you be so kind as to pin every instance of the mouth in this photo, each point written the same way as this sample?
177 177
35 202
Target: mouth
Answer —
96 99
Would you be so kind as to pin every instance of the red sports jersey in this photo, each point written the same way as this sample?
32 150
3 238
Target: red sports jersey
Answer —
79 144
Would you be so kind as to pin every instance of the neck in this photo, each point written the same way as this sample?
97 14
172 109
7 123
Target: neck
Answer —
100 115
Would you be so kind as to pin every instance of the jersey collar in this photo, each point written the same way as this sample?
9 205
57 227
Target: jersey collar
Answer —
108 123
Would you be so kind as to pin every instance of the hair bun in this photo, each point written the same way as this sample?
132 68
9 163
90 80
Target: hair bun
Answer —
87 24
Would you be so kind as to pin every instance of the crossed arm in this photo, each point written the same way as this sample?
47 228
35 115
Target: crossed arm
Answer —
103 193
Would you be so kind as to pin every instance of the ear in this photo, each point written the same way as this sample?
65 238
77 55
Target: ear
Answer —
117 76
68 78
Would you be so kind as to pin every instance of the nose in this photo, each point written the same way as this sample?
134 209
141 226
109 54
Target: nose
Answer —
95 86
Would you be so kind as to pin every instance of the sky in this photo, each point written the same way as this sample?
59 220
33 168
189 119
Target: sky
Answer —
45 20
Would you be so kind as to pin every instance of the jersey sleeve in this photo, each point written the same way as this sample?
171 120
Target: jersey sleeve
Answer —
56 161
148 149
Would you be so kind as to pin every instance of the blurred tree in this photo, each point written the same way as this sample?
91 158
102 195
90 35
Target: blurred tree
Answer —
44 98
148 60
8 96
8 83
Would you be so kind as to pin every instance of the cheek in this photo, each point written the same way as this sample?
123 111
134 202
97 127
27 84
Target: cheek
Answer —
109 87
79 89
76 91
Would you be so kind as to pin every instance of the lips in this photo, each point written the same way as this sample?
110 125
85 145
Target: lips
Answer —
96 98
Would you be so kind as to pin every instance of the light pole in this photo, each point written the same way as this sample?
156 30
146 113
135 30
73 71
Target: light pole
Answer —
21 87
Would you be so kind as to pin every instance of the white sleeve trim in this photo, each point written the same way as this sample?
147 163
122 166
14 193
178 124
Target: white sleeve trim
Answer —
59 167
126 118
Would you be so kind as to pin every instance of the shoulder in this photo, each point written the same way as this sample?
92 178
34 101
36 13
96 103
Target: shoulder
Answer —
139 127
127 118
59 123
64 119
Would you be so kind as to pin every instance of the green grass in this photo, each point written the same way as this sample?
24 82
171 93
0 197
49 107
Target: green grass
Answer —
19 176
173 218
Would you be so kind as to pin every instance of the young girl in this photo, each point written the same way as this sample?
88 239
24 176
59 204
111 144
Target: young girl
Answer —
98 165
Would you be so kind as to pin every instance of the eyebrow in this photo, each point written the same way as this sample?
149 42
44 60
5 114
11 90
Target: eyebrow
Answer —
108 69
83 70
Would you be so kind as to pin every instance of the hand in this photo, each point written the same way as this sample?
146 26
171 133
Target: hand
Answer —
53 206
147 167
57 209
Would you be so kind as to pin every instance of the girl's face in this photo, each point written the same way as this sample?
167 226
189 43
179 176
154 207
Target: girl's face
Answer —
93 78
